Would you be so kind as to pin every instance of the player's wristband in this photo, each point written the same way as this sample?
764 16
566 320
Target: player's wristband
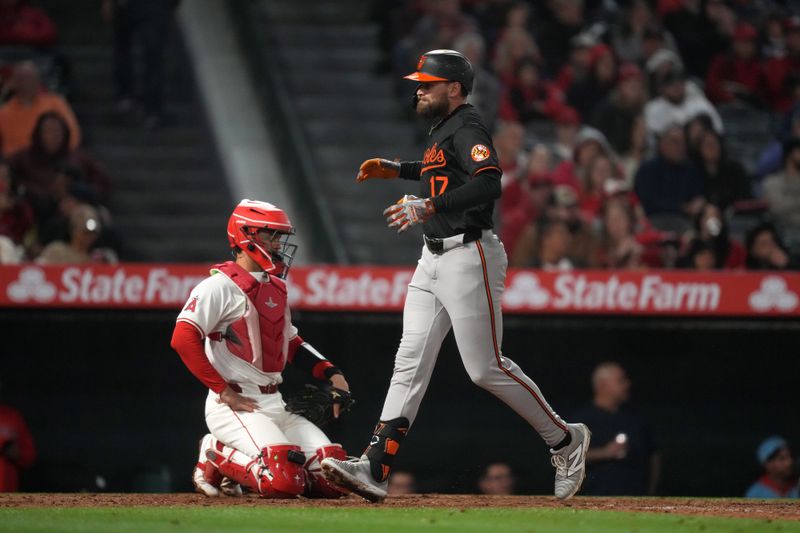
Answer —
331 371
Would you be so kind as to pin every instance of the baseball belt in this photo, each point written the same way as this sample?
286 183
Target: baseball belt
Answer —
440 246
265 389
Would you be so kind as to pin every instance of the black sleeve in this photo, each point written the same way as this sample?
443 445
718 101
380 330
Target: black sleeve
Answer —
476 155
483 188
410 170
313 362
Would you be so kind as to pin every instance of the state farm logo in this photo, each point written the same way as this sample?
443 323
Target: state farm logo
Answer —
326 288
773 294
576 291
526 291
31 285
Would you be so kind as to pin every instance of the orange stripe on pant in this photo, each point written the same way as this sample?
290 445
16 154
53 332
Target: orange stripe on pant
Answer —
497 348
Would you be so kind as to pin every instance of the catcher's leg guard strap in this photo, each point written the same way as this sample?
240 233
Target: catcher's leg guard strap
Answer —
384 445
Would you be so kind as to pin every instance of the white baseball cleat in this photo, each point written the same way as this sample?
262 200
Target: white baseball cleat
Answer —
209 487
207 480
570 462
355 475
201 485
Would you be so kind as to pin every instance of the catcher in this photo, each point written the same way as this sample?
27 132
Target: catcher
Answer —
235 335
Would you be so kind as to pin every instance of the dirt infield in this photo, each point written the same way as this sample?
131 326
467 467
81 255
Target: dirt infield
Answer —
770 510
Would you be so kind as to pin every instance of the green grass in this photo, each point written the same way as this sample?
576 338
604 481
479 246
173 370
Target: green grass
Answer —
389 520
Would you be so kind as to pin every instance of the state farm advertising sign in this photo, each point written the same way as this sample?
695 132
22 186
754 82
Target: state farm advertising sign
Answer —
383 289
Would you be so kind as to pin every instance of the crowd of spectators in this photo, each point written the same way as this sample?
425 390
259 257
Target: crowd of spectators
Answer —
613 122
53 193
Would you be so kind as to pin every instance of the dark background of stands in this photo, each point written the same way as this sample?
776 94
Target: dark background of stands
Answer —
105 396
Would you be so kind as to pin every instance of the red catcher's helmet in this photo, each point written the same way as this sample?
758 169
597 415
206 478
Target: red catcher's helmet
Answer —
262 231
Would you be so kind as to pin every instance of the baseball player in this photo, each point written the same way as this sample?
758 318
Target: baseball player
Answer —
458 283
235 335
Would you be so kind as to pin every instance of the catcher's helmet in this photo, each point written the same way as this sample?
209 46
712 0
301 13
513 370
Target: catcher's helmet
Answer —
444 65
252 228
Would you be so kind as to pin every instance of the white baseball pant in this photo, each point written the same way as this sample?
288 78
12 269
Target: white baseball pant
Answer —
270 424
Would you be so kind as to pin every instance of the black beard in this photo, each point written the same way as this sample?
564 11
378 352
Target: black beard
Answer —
436 110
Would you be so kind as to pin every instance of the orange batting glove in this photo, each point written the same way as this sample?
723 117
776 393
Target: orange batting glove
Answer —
378 168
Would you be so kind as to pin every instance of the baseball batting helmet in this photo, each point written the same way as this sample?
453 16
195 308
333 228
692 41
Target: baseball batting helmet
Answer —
262 231
444 65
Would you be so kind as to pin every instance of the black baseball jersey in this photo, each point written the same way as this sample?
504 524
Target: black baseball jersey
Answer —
460 172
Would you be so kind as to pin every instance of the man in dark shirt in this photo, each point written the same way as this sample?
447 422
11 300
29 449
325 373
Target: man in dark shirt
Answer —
458 283
623 458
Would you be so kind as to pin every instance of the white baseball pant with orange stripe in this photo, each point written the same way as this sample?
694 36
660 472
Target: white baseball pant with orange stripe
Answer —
462 288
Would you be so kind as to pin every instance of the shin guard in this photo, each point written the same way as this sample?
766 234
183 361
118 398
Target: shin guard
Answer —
276 472
316 484
384 445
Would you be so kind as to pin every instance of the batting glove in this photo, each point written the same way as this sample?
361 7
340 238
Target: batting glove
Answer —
378 168
409 211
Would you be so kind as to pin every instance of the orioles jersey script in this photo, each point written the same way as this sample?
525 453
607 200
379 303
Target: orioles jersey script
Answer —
214 305
459 149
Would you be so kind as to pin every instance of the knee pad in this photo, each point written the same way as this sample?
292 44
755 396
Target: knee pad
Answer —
316 484
285 468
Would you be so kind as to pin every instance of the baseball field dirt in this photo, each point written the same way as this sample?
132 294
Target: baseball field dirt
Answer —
425 512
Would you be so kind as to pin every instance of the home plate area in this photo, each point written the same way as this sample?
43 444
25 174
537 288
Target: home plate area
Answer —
723 507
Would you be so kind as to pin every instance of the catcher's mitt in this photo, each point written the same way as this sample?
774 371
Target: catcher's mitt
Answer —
315 403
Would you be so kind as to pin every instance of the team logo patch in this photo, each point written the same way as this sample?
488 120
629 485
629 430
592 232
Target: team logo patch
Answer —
192 305
421 62
479 153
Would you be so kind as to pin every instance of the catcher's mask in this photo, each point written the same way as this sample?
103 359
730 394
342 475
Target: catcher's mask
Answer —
263 231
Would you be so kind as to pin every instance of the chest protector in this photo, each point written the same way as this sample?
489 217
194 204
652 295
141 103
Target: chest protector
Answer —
259 337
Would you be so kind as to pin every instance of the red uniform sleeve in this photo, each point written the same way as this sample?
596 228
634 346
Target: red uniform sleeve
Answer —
188 342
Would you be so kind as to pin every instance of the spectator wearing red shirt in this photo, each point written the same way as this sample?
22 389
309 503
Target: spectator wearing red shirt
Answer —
530 97
531 197
21 24
739 74
17 451
602 179
508 141
568 124
783 73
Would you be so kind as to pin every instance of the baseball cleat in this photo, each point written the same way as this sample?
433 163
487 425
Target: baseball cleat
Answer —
204 477
201 485
355 475
570 462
